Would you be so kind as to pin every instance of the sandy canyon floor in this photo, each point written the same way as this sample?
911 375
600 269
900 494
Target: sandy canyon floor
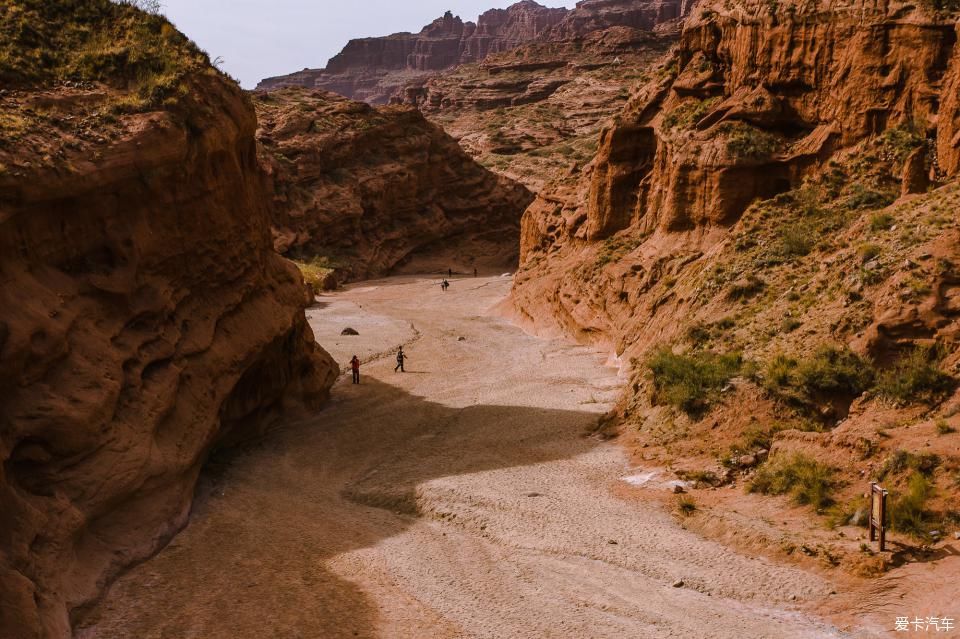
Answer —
463 498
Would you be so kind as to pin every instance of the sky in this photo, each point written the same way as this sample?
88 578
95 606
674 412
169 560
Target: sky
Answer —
257 39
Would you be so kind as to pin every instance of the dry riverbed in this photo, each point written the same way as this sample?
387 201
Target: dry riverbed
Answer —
463 498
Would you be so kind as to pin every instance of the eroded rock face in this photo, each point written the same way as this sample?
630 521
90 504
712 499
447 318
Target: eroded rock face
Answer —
144 319
373 69
751 104
596 15
780 191
372 188
948 118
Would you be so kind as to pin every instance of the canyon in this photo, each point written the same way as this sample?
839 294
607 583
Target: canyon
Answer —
704 292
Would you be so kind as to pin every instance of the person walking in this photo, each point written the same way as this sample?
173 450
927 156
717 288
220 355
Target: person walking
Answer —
450 273
401 358
474 271
445 285
355 365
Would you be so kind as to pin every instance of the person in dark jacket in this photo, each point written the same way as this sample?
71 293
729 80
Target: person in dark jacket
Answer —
355 365
401 358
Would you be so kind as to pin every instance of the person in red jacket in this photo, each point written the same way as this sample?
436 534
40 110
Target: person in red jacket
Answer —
355 365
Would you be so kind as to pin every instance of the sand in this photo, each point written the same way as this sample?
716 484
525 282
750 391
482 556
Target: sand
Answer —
463 498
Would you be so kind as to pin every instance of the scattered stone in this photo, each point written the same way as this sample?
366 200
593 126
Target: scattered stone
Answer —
956 535
461 339
762 454
534 494
678 583
349 331
678 489
612 542
747 461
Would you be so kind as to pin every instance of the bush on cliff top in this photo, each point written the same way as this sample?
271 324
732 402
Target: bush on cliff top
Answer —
42 42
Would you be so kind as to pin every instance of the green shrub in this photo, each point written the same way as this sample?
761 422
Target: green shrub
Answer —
829 371
779 372
790 324
908 510
745 288
806 480
868 251
689 112
943 428
686 506
745 141
899 142
100 41
691 382
797 239
834 370
862 197
700 477
916 377
901 460
881 222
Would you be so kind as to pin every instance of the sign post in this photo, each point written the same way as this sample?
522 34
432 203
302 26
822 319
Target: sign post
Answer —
878 514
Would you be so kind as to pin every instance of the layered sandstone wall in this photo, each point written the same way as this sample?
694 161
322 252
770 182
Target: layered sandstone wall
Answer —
373 69
144 320
369 189
748 104
595 15
778 199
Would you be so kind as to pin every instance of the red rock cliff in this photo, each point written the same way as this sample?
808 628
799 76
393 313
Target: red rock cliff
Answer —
371 189
144 316
373 69
753 101
595 15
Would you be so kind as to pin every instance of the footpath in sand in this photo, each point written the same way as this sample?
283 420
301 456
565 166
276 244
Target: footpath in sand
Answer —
462 498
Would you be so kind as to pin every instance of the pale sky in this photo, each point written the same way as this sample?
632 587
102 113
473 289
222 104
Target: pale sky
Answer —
263 38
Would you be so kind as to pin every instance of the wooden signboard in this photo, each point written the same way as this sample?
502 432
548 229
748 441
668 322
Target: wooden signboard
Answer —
878 515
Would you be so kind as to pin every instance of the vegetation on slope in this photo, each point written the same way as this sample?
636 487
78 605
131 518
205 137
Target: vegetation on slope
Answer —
43 43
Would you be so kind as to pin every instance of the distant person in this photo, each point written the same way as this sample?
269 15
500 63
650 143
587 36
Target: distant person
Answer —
450 272
401 358
355 365
474 271
444 285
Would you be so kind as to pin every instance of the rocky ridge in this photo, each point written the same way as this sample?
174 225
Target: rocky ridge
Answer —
367 190
146 318
596 15
534 113
373 69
